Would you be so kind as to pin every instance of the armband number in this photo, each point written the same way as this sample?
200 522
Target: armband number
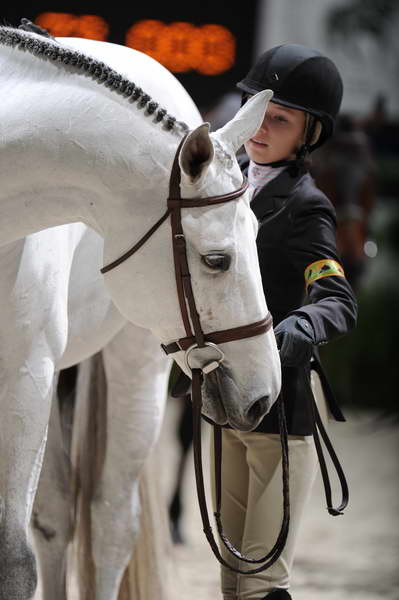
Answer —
322 268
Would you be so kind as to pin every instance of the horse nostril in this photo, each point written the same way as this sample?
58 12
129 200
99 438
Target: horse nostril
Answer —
257 410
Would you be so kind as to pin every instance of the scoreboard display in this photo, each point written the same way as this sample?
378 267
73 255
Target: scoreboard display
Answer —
207 45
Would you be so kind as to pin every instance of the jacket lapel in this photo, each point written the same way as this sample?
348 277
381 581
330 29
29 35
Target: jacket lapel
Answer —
273 196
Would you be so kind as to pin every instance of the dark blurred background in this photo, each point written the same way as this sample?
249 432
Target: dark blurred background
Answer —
358 169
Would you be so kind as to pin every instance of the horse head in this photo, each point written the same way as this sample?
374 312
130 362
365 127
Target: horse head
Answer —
220 241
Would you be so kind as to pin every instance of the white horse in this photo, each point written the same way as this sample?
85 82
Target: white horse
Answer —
72 150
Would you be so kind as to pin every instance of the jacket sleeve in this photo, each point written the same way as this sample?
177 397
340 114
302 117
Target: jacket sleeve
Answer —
330 302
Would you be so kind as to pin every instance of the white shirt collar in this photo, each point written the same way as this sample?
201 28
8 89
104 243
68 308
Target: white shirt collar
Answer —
261 175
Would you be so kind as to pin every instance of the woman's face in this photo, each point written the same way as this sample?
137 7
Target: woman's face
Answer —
279 136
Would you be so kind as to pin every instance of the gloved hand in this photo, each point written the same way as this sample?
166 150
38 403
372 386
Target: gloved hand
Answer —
295 339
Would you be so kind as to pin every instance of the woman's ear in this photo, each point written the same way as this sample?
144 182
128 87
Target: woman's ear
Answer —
316 133
314 124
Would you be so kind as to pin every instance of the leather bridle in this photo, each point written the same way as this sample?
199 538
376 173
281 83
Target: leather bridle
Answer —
196 338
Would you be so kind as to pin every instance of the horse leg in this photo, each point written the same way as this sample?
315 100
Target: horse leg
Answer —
185 437
25 396
51 521
137 382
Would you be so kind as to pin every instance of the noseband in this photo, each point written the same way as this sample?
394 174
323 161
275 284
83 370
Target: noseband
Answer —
195 339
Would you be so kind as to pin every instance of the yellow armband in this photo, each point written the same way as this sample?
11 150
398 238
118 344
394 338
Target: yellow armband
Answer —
322 268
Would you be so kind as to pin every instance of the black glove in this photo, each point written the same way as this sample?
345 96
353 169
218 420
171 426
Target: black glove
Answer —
295 339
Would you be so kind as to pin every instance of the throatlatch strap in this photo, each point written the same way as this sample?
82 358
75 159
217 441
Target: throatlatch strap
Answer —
138 245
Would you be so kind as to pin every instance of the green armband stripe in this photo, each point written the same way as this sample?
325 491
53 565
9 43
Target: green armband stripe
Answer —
322 268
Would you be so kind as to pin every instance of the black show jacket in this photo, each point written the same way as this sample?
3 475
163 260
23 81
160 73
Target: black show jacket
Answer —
297 227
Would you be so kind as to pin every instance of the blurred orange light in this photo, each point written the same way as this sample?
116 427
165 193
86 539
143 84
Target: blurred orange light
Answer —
177 46
180 47
68 25
217 51
145 36
92 27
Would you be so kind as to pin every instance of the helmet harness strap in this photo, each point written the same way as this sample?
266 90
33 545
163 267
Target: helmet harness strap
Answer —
296 165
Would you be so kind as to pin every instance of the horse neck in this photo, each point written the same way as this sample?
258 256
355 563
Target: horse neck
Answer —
70 152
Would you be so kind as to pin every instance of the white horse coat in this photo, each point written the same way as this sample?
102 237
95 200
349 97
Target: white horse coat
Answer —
136 381
71 150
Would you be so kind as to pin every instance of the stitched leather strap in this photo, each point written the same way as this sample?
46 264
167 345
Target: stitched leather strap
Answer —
188 308
221 337
138 245
318 428
209 201
272 556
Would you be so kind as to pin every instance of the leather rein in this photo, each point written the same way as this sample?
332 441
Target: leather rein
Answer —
196 338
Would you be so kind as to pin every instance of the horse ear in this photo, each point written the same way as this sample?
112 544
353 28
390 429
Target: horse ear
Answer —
197 152
246 122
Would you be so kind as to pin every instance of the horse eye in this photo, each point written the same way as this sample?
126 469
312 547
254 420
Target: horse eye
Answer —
217 261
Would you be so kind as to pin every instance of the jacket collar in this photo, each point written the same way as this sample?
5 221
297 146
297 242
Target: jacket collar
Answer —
273 196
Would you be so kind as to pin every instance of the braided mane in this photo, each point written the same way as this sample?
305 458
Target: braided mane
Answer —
99 71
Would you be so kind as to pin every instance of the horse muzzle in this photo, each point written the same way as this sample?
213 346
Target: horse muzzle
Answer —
224 403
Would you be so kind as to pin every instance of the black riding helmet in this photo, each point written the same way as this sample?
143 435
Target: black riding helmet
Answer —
300 78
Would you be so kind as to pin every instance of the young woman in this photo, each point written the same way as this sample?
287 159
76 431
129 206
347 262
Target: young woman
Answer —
309 298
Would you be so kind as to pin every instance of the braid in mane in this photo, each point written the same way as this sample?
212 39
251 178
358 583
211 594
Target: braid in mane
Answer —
99 71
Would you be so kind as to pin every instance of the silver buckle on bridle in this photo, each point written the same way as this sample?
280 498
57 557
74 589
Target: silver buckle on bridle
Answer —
212 365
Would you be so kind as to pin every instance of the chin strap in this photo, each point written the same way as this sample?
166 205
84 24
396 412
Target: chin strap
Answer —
297 165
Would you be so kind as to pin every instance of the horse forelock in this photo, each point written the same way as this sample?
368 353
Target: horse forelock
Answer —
222 155
52 51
